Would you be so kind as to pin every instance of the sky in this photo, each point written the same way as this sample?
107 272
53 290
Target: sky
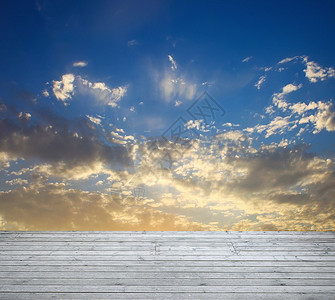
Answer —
167 115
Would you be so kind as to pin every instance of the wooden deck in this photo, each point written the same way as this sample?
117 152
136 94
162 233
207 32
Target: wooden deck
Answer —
167 265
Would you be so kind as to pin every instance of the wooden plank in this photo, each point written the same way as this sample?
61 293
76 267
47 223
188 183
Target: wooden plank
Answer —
166 275
166 296
166 245
158 252
180 257
171 282
130 268
103 247
63 261
167 289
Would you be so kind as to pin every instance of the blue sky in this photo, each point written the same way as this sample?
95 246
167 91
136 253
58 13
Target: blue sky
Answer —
94 93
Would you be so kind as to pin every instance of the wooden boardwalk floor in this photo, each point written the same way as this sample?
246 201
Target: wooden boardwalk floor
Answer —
167 265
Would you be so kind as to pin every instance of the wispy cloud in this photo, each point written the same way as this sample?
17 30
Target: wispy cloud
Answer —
80 64
246 59
94 120
260 82
132 43
173 63
100 91
288 59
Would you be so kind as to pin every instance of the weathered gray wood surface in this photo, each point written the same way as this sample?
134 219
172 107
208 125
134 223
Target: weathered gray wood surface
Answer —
167 265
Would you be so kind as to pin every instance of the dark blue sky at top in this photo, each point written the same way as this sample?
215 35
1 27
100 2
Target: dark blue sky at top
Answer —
217 33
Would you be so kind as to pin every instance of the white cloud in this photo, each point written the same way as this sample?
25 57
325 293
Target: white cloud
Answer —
16 181
246 59
319 114
288 59
100 91
71 85
45 93
193 124
24 116
173 63
279 98
325 118
260 82
172 87
301 107
233 135
316 73
64 89
228 124
132 43
80 64
5 159
94 120
289 88
276 126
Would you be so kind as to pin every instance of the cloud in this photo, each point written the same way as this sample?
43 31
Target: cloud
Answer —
289 88
172 87
270 181
319 114
80 64
24 116
172 84
94 120
5 159
17 181
54 206
324 118
316 73
246 59
173 63
62 146
277 126
288 59
63 89
260 82
100 91
278 99
73 85
132 43
45 93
